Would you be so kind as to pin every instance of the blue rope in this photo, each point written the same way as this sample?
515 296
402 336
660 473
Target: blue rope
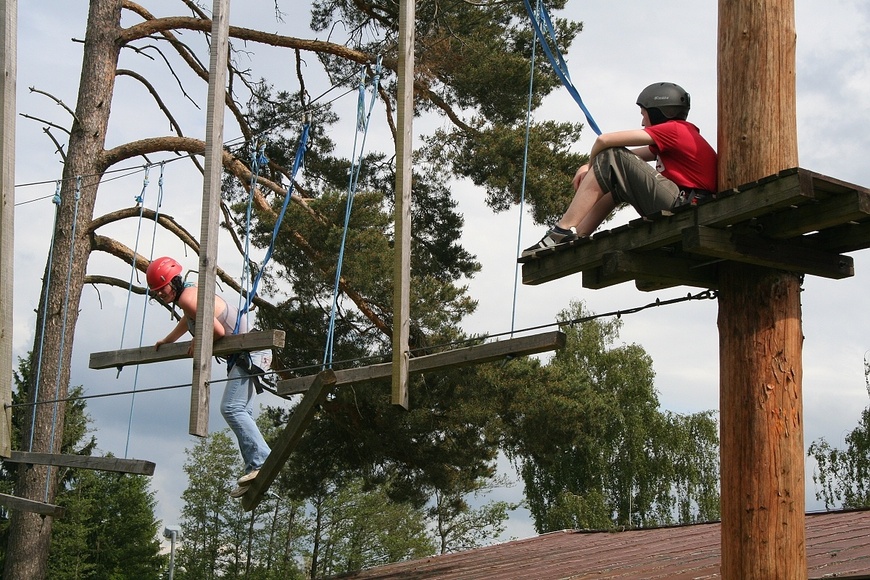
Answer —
258 158
140 201
525 173
145 306
559 66
56 201
72 246
297 162
362 125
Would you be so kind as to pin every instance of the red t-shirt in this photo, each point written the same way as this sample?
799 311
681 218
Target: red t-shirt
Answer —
683 156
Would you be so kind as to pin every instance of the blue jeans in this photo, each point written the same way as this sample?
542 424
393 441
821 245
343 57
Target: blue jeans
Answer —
237 409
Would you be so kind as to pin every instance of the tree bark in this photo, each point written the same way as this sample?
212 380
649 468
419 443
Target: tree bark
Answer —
760 336
30 534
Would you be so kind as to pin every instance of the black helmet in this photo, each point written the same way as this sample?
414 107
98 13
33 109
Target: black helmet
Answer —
670 99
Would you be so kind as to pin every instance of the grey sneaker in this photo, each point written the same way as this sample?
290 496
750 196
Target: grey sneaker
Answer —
553 238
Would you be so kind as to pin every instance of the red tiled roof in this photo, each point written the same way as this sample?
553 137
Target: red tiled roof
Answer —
838 546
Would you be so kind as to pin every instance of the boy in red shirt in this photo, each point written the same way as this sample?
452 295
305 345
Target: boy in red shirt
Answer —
685 170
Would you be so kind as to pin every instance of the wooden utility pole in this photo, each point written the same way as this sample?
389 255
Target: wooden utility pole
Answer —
9 14
211 195
760 337
404 170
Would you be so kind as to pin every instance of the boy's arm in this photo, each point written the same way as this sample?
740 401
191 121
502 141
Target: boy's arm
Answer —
634 138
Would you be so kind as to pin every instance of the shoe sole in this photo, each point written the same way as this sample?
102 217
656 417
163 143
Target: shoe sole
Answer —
239 491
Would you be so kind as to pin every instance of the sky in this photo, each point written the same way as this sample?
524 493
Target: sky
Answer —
625 45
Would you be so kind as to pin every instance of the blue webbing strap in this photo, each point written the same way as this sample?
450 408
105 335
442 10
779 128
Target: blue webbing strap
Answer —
558 64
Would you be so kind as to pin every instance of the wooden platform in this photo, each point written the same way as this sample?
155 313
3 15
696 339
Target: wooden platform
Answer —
476 354
225 345
796 221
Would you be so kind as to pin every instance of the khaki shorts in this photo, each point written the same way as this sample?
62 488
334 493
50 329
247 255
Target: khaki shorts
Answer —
630 179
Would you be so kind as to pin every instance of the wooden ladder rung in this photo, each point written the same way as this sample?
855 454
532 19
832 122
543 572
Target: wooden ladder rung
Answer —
134 466
28 505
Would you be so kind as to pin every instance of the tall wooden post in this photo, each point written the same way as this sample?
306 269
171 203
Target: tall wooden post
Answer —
760 337
404 169
211 195
8 58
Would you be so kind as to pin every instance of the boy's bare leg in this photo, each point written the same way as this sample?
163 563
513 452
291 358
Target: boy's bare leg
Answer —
596 215
586 206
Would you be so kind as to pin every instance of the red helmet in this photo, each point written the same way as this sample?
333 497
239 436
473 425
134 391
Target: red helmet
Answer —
161 271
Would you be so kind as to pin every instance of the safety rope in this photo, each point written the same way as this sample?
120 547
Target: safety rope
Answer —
258 158
72 245
37 380
140 203
557 62
362 126
297 162
145 300
523 187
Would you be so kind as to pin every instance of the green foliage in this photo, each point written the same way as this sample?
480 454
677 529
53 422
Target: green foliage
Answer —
843 475
591 445
358 527
458 526
109 531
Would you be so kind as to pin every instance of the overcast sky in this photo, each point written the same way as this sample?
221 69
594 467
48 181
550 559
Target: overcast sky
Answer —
625 45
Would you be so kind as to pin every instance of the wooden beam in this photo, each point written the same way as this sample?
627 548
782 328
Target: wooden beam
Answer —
652 268
402 211
34 507
477 354
321 385
788 255
850 206
762 452
133 466
8 82
225 345
210 217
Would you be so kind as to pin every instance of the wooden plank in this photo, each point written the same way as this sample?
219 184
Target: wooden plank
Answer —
653 268
785 255
321 385
788 189
402 210
258 340
477 354
28 505
846 238
133 466
8 83
210 217
834 211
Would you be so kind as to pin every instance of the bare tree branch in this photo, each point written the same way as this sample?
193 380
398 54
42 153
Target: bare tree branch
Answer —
56 100
172 122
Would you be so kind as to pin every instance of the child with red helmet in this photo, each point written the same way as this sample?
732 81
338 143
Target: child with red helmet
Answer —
164 280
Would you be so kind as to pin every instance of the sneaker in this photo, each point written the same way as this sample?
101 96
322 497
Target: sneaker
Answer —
553 238
240 491
248 477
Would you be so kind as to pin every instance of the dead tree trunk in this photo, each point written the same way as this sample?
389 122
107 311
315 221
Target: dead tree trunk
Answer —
760 334
29 537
